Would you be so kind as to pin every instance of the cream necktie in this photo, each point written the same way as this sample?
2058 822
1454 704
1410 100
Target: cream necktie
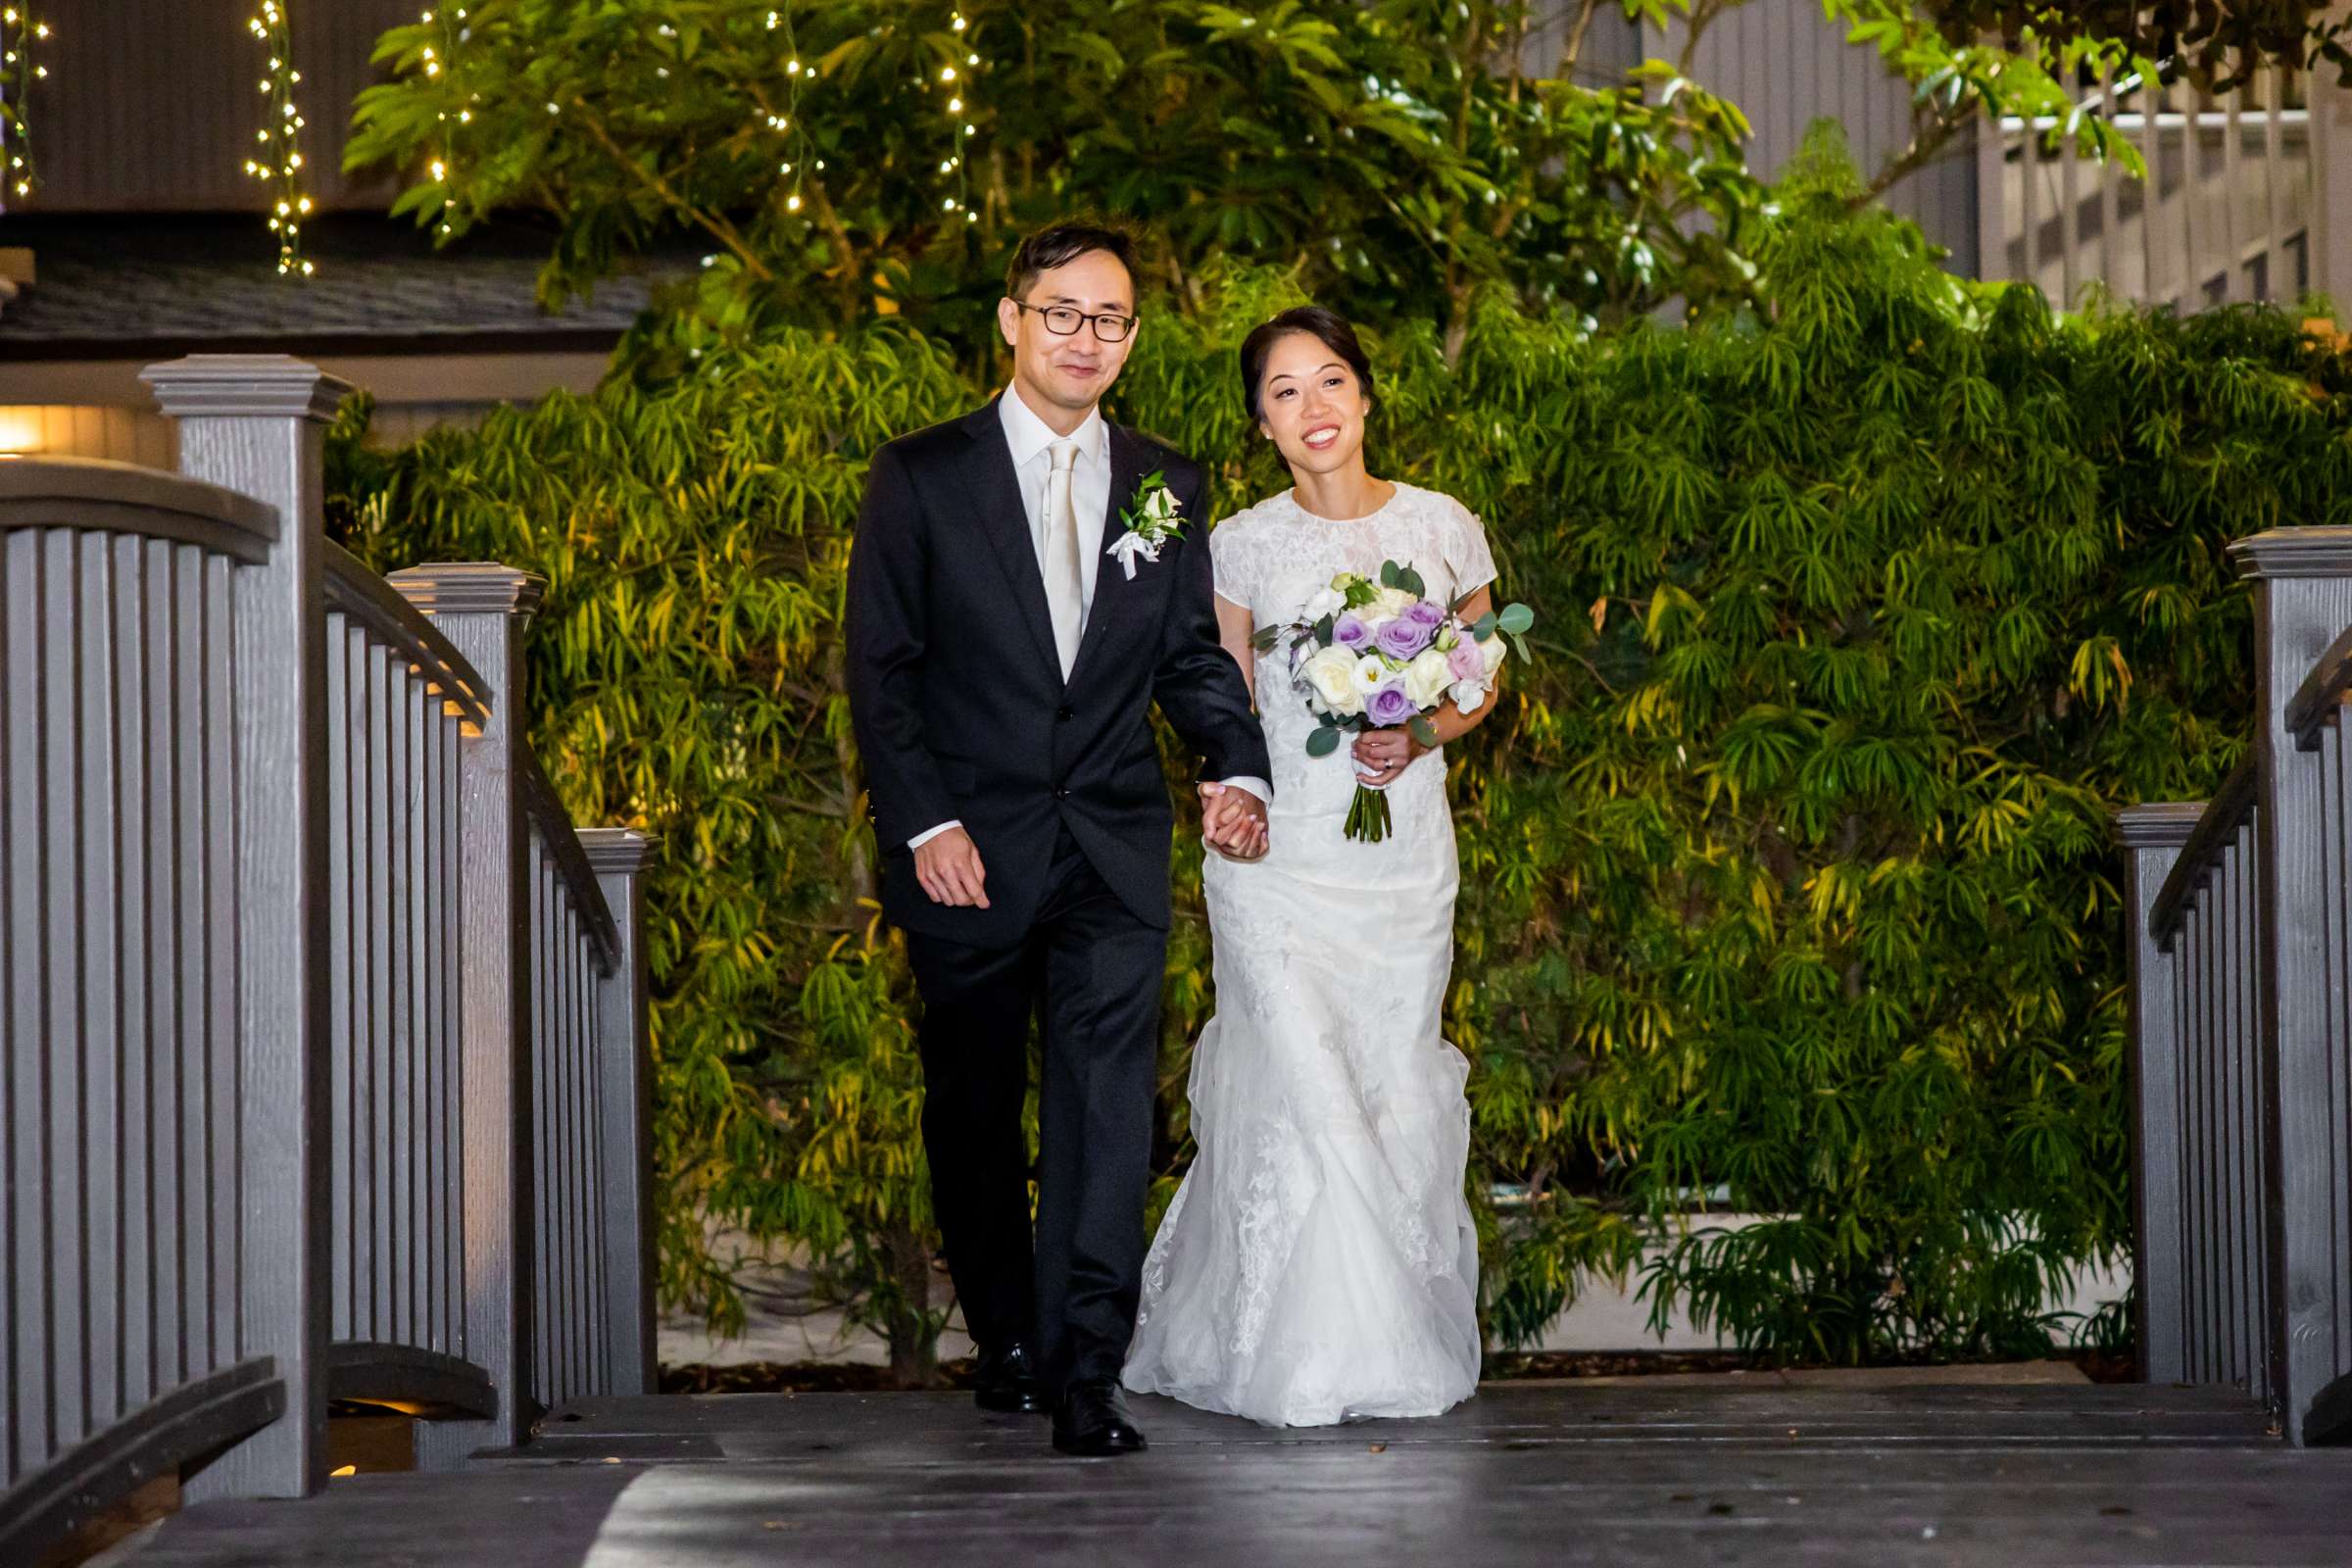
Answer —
1065 584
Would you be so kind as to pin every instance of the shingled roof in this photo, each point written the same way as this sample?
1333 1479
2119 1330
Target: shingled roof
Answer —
116 286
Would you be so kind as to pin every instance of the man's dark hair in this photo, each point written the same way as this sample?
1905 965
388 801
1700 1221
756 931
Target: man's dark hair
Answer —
1060 245
1328 326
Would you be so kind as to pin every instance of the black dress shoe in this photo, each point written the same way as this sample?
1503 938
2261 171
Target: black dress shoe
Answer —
1007 1379
1091 1420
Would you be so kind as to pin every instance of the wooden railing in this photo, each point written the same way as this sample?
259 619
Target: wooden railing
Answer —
323 1062
2241 1026
2226 214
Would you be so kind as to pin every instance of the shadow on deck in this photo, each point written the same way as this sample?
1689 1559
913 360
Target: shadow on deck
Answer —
1708 1471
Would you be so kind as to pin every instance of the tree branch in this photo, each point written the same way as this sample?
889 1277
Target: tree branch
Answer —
1576 37
1927 142
712 224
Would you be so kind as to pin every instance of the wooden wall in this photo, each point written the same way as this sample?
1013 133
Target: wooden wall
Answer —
152 105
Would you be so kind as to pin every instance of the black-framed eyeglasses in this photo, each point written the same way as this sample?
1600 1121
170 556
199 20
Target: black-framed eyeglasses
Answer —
1063 319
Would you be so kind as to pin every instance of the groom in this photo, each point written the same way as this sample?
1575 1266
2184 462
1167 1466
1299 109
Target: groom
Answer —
1002 665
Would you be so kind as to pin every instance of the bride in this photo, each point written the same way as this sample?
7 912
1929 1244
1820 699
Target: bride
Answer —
1319 1265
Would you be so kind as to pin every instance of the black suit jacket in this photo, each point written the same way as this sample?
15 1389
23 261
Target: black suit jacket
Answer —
957 698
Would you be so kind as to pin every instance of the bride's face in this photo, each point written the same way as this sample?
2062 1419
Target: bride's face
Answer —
1311 406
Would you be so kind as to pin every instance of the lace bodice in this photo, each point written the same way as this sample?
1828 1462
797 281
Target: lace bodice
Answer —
1272 558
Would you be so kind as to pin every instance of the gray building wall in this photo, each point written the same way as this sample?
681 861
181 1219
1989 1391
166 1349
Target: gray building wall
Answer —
152 105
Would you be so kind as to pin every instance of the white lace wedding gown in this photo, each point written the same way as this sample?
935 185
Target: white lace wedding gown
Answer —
1319 1263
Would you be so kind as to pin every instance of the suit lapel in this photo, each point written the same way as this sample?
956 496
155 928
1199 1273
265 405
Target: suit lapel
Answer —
1111 584
995 490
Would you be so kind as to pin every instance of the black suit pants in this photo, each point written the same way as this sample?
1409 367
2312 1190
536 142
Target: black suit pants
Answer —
1090 972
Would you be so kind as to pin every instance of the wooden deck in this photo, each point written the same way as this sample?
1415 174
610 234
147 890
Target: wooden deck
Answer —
1716 1470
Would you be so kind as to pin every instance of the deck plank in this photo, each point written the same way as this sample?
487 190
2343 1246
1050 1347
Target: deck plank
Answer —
1524 1474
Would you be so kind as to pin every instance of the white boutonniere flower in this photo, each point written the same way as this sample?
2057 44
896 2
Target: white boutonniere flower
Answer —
1150 520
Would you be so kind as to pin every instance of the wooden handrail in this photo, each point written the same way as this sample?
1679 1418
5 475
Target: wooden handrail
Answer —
375 605
2320 694
2232 805
93 493
546 813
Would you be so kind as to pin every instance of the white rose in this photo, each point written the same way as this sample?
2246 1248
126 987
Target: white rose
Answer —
1468 696
1494 651
1426 677
1394 602
1160 505
1371 672
1327 602
1332 674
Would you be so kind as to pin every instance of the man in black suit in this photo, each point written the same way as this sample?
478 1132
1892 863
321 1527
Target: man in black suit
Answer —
1002 669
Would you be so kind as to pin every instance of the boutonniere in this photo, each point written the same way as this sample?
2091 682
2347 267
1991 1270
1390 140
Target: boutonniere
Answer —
1151 521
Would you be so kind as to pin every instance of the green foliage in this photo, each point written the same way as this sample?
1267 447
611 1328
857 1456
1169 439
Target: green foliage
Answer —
1787 884
1383 153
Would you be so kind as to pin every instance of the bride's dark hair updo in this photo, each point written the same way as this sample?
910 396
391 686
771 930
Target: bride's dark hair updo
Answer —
1329 327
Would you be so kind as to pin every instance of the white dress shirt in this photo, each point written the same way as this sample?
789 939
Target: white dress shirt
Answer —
1031 441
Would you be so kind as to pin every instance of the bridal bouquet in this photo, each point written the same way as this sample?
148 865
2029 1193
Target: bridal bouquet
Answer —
1371 655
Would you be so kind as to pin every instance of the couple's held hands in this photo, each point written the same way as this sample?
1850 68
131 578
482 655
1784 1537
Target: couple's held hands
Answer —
948 868
1232 822
1381 754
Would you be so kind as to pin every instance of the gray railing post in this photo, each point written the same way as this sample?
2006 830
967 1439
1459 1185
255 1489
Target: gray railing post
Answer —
2302 599
625 1071
2152 837
482 608
255 423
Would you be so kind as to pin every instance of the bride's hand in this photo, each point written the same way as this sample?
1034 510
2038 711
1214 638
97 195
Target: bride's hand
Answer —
1382 753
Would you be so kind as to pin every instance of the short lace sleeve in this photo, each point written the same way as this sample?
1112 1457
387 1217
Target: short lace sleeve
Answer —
1466 554
1232 560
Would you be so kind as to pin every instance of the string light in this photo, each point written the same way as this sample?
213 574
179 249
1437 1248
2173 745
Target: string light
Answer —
280 138
20 30
957 161
451 21
801 151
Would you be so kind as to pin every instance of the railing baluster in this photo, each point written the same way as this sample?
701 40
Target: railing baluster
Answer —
343 912
545 1189
62 986
166 1031
134 944
100 1046
27 1108
450 1178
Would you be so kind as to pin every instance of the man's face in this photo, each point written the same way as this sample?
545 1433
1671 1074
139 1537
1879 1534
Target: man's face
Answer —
1069 374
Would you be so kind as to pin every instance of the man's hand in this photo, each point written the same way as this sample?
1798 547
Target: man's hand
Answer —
1232 822
950 870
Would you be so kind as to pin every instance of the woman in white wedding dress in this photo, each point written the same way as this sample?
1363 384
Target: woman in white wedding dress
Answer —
1319 1263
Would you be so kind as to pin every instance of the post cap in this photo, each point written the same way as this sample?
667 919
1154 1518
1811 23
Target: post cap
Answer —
2159 824
469 588
615 850
2294 553
255 387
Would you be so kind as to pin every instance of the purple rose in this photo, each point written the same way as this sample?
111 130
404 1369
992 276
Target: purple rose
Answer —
1427 613
1388 705
1350 631
1404 637
1465 661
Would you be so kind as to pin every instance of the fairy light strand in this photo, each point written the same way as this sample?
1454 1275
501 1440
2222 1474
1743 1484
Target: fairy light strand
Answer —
20 30
957 76
801 160
279 163
439 64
